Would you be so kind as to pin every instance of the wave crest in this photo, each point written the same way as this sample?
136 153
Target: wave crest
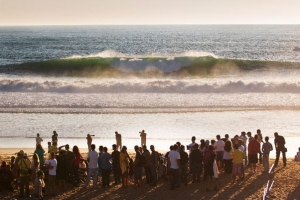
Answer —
145 86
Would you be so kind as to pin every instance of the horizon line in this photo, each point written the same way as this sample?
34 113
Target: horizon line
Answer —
15 25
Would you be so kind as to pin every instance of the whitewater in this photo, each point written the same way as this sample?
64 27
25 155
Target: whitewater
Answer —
172 81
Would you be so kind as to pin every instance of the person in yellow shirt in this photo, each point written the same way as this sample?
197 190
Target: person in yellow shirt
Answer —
24 164
237 157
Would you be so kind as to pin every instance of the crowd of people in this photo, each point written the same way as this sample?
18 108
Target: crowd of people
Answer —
209 157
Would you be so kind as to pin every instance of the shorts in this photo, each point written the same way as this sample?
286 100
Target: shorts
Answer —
253 158
51 180
219 155
237 168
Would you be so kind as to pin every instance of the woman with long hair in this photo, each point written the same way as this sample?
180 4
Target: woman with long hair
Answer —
227 160
124 164
35 165
77 160
40 152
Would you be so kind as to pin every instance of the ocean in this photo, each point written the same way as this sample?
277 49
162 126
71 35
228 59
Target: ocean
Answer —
174 82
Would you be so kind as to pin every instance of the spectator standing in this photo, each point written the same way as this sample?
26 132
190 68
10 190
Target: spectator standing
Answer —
40 152
106 167
174 165
24 164
115 156
92 167
38 139
89 141
196 159
184 159
219 147
266 148
279 143
118 140
143 137
52 165
253 150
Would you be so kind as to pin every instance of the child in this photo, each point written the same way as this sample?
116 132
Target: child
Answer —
266 148
237 156
39 184
297 157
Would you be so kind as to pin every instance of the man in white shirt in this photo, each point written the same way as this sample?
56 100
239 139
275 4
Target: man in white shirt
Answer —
52 165
38 139
92 167
219 147
174 163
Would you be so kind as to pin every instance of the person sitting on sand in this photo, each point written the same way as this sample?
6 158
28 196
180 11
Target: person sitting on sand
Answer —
266 148
297 156
143 138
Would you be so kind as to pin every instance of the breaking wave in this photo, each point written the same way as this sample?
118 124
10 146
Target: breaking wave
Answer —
145 86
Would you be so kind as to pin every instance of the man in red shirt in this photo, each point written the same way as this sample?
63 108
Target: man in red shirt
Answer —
253 150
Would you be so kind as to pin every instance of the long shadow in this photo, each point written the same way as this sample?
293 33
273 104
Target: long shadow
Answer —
295 194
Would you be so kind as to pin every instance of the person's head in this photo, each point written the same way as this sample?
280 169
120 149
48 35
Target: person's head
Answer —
182 148
67 147
228 146
93 147
258 131
144 147
114 147
124 149
25 155
249 134
40 174
178 144
255 136
193 139
236 146
267 139
276 134
76 150
38 135
116 132
101 148
211 147
207 142
136 148
236 137
54 133
226 136
171 147
52 155
175 147
243 133
218 137
35 157
240 142
105 149
49 143
152 148
299 149
212 142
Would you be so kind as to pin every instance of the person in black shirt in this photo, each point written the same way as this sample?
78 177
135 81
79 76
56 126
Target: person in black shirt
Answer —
279 143
115 155
196 159
184 158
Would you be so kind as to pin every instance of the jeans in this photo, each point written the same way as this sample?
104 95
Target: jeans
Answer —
105 177
183 174
266 162
94 172
148 174
24 181
278 155
154 174
117 174
175 177
196 171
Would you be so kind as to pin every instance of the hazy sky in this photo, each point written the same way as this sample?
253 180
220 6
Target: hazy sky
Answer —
90 12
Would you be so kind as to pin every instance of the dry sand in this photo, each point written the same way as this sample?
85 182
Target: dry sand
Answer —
286 186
